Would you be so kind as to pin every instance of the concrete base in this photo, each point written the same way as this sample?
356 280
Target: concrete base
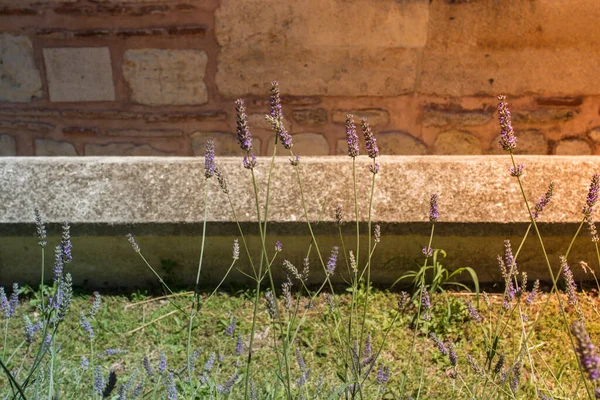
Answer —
160 201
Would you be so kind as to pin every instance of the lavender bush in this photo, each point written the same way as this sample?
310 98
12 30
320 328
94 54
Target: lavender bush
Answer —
34 368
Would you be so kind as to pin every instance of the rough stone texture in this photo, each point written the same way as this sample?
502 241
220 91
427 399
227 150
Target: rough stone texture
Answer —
145 132
8 146
566 101
433 117
573 147
24 126
123 149
258 122
310 48
19 77
53 148
305 144
399 143
544 115
594 134
456 143
157 76
81 130
226 144
310 117
528 142
184 30
375 116
112 189
79 74
508 47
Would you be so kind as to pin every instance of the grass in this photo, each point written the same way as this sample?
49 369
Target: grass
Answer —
120 314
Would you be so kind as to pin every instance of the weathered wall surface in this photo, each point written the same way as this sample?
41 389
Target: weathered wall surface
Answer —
158 77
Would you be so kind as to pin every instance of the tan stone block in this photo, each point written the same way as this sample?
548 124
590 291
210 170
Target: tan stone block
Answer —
512 47
19 77
258 122
79 74
528 142
226 144
305 144
544 115
25 126
53 148
124 149
594 134
456 143
157 76
433 117
338 48
400 143
8 146
573 147
145 132
310 117
375 116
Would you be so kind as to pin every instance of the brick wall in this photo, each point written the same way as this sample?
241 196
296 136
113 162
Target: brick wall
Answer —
146 77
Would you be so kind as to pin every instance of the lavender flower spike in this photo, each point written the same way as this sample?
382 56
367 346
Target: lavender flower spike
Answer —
65 244
250 161
41 228
508 140
370 141
570 285
332 262
210 169
243 132
351 136
543 201
592 196
133 243
275 101
434 213
236 249
276 117
473 312
586 351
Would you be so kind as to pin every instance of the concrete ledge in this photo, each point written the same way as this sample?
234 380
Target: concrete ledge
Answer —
160 200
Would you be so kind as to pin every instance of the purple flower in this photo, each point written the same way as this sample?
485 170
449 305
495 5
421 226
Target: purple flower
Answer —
210 168
278 246
209 364
171 388
534 291
228 385
383 374
236 249
592 196
332 262
508 140
239 345
230 328
300 360
85 363
427 251
276 117
249 161
426 304
40 227
58 263
303 378
98 380
592 229
368 347
351 136
87 327
338 215
377 233
9 305
475 366
440 345
221 180
517 171
65 245
295 161
97 304
271 304
516 376
374 168
499 364
133 243
570 285
148 367
509 259
543 201
114 352
30 329
370 141
452 357
403 301
434 213
286 292
243 132
473 312
162 362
